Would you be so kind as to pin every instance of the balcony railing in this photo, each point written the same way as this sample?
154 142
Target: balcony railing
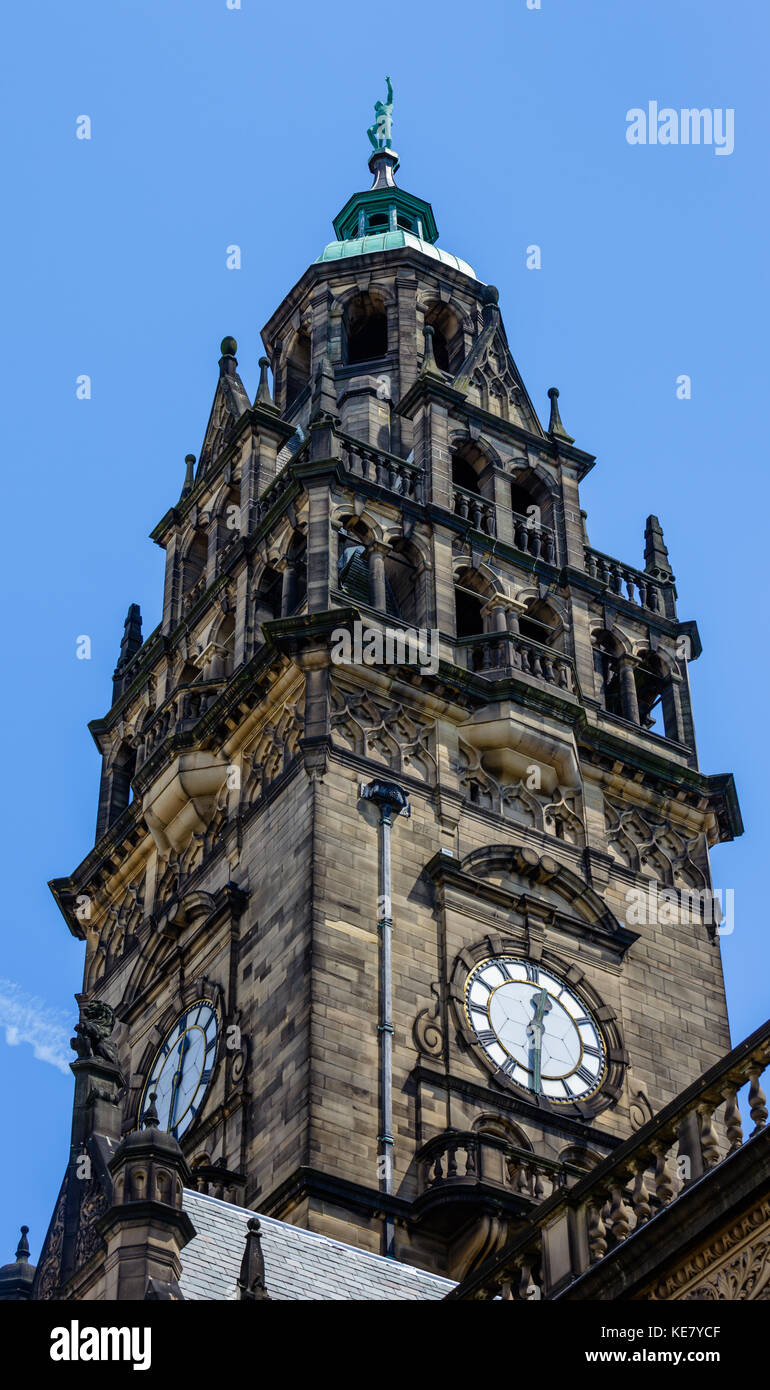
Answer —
480 512
495 652
645 1176
383 469
631 584
458 1160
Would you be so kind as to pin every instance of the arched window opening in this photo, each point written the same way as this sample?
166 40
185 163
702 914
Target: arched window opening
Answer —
448 341
123 769
527 491
365 329
297 368
402 583
651 686
472 592
607 667
541 624
468 463
379 221
194 562
296 587
267 601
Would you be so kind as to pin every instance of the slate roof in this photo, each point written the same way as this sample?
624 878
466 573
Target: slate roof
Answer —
299 1264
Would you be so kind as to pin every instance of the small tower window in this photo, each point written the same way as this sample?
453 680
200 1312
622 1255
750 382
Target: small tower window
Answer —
366 329
297 368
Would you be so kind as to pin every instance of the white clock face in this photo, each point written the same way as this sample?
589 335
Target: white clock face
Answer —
535 1029
182 1068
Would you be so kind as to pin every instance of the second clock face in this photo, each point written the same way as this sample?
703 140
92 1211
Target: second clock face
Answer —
535 1029
182 1068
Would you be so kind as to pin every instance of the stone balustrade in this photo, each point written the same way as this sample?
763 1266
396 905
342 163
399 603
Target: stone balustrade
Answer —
457 1159
477 510
631 584
693 1135
495 652
537 541
385 470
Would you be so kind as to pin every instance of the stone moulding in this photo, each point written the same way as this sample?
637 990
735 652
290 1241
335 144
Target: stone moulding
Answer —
182 800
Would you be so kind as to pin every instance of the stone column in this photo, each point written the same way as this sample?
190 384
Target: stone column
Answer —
628 696
377 592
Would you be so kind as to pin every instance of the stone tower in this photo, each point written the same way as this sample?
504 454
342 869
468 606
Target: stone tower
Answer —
400 890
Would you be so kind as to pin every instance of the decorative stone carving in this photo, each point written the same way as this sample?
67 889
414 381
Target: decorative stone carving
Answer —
734 1266
651 846
427 1031
383 731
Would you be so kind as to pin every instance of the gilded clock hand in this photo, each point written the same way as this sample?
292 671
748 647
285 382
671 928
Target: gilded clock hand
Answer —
177 1078
535 1033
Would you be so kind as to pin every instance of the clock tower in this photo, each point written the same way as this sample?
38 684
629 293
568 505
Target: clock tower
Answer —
399 914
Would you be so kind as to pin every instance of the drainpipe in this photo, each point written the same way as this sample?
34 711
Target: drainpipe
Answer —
390 799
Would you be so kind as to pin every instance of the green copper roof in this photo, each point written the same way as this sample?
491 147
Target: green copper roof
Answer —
392 241
386 218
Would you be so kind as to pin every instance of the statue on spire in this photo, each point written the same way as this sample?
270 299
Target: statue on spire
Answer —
379 132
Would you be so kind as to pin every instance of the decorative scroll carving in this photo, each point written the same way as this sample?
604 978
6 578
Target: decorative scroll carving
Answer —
426 1030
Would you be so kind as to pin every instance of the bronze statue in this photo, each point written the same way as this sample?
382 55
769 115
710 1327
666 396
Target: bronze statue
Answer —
379 133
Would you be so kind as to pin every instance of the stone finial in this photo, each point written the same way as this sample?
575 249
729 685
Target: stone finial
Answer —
22 1249
490 300
555 426
263 396
228 362
656 559
150 1119
323 404
189 475
131 640
429 365
251 1280
17 1279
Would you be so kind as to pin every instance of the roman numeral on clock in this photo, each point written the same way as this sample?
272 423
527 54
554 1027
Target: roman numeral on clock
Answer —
486 1036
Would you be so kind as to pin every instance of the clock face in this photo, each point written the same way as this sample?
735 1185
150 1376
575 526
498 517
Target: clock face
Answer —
182 1068
535 1029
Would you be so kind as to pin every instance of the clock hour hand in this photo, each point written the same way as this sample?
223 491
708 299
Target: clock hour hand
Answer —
543 1006
175 1083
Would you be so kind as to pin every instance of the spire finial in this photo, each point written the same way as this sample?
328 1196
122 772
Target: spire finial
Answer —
656 559
189 477
22 1251
379 133
251 1280
263 396
555 426
228 362
150 1119
429 365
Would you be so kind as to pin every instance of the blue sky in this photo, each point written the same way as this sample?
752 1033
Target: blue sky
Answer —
213 126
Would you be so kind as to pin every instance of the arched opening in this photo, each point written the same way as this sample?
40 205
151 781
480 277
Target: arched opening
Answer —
532 507
542 624
651 685
222 661
607 653
403 568
267 600
194 562
297 368
472 592
468 463
448 343
121 773
365 329
295 588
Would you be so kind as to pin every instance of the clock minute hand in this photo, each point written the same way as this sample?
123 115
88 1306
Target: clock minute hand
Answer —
535 1034
176 1081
